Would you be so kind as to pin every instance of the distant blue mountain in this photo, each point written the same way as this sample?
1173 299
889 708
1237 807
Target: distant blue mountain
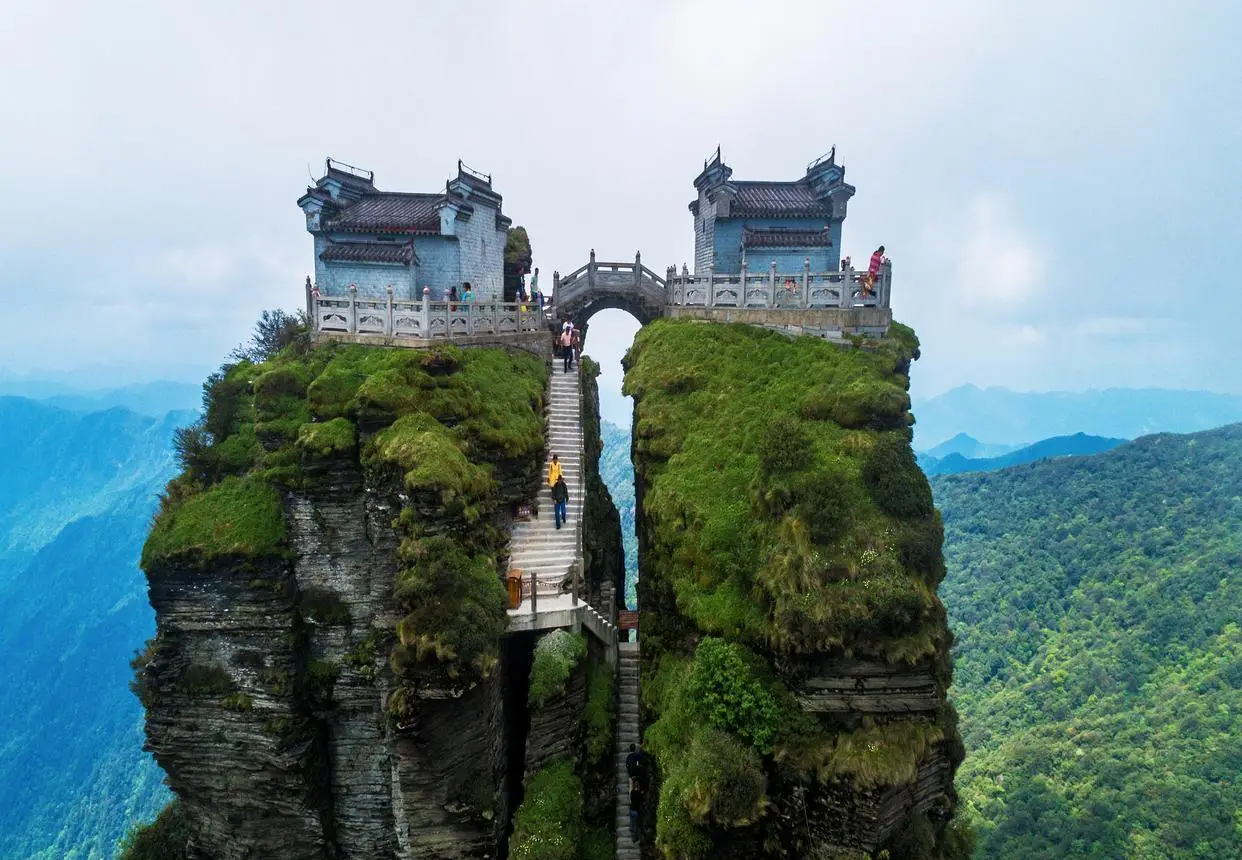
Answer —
77 491
1004 417
1058 446
154 399
966 445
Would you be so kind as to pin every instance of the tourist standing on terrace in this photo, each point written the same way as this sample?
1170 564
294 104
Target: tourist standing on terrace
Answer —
452 297
534 285
560 500
467 294
873 271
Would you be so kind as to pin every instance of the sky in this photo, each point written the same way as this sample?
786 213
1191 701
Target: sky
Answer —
1057 184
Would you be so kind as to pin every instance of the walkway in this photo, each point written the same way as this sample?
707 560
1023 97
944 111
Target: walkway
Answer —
538 548
627 733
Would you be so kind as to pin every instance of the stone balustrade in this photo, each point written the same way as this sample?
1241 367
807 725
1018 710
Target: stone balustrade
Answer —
424 320
775 290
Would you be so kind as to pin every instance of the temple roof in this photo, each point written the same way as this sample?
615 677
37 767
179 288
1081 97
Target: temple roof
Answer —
391 211
776 237
776 199
369 252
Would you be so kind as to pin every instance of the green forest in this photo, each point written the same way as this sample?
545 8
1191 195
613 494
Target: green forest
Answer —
1098 664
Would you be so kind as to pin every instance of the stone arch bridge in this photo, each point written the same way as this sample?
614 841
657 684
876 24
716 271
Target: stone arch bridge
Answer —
597 286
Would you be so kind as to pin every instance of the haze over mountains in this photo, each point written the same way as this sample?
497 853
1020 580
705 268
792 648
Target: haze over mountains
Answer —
999 416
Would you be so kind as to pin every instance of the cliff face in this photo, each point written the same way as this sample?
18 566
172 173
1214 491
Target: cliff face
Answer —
326 676
795 655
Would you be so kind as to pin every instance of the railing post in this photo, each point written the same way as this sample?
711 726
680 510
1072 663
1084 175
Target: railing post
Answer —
711 287
886 286
534 591
806 282
772 285
591 270
846 299
670 291
425 324
353 308
388 321
638 272
741 296
310 304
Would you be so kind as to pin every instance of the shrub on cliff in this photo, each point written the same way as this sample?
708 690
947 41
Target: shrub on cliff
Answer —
548 825
557 654
163 839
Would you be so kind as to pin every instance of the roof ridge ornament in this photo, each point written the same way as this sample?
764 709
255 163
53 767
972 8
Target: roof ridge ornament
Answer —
463 168
829 157
362 173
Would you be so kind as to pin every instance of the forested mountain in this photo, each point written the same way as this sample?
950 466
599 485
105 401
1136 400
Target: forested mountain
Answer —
999 416
1098 674
1058 446
617 470
77 491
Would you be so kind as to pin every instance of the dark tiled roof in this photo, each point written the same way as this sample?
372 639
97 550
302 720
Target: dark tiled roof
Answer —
369 252
776 199
389 210
776 238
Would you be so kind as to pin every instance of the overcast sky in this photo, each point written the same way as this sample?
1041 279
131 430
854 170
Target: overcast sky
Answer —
1057 183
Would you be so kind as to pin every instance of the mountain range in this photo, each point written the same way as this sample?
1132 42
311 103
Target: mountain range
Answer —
77 491
1098 664
1058 446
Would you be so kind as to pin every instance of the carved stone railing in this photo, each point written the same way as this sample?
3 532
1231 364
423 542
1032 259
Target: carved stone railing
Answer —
772 289
403 318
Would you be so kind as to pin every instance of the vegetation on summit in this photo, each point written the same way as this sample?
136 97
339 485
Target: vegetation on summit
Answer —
1099 657
436 423
785 516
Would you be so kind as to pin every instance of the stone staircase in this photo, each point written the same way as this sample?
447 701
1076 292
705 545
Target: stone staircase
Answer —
627 733
537 547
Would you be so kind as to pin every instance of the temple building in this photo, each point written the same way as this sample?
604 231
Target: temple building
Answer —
765 222
374 239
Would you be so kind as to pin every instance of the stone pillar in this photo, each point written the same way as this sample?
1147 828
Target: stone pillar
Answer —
310 304
388 318
846 298
425 323
806 282
591 271
670 290
741 295
772 285
353 308
711 287
638 272
885 296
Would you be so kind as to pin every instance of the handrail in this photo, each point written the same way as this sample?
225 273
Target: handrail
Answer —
392 317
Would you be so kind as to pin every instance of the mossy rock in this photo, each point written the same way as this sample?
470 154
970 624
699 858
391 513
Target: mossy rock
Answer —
557 654
328 439
237 517
548 825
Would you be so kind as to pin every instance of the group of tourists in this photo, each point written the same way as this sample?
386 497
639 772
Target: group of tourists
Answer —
569 344
560 491
638 769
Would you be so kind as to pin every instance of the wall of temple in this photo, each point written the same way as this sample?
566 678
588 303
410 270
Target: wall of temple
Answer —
704 235
481 250
372 279
437 265
728 242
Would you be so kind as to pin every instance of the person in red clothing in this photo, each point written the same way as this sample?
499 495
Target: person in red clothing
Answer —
873 271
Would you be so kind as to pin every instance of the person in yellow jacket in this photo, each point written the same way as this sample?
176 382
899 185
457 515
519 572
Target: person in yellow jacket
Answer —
554 471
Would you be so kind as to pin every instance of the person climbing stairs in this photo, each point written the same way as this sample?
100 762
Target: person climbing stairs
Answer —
627 733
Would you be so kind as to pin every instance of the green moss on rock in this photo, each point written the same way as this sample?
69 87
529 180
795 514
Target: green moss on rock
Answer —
334 438
238 516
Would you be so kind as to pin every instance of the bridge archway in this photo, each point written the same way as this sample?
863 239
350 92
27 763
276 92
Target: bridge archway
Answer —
630 287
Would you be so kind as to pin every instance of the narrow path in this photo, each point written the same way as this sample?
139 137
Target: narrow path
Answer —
538 548
627 733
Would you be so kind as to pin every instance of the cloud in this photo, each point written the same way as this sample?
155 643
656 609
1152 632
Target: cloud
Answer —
998 266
